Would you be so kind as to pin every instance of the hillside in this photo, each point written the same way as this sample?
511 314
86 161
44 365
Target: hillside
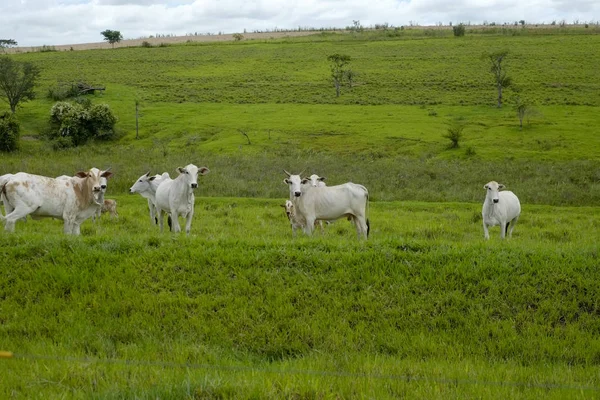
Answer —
273 99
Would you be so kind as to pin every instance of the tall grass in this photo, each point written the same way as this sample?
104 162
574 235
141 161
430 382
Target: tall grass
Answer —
425 301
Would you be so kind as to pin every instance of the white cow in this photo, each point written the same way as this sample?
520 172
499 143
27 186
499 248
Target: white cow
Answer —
317 181
146 186
176 196
500 208
295 221
73 200
329 203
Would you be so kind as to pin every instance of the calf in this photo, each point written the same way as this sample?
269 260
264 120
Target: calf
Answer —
500 208
73 200
110 206
176 196
295 221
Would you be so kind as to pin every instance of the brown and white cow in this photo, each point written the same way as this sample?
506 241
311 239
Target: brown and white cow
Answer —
73 200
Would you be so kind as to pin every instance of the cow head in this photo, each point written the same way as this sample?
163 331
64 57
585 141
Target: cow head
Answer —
295 183
492 191
92 182
315 179
190 174
142 184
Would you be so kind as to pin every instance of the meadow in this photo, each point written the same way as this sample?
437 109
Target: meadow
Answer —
239 309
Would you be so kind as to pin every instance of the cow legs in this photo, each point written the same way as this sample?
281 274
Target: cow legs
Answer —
15 214
512 226
175 227
309 227
361 227
152 209
486 233
188 222
161 221
503 227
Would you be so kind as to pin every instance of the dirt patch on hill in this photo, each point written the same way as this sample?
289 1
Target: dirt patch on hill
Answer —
156 41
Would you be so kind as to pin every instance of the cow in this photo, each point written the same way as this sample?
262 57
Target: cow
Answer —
73 200
146 186
329 203
317 181
110 206
176 196
500 208
295 221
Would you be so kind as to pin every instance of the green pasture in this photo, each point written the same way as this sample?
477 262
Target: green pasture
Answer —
239 309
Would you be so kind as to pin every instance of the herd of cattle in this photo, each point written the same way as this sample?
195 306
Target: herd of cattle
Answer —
75 199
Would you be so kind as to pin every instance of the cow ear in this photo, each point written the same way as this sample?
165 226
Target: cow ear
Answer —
286 181
304 181
81 174
322 179
148 173
151 178
501 186
106 174
485 186
180 170
282 205
203 171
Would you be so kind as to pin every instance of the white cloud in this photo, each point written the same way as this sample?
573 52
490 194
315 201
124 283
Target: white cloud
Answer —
55 22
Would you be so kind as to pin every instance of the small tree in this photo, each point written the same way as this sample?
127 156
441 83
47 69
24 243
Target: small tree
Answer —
9 132
454 133
338 70
17 80
238 36
459 30
501 80
523 109
112 36
7 43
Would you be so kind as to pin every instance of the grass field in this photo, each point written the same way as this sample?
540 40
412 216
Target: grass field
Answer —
239 309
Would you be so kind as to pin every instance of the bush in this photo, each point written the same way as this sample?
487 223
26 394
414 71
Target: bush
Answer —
75 123
147 44
454 133
459 30
238 36
9 132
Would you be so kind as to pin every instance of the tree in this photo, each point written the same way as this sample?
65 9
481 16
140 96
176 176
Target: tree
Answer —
112 36
17 80
501 80
7 43
9 132
338 69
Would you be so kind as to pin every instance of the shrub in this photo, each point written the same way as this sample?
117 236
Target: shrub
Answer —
454 133
459 30
75 123
145 43
238 36
9 132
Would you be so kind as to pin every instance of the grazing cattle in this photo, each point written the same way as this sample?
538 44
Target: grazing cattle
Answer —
176 196
295 221
500 208
110 206
73 200
146 186
329 203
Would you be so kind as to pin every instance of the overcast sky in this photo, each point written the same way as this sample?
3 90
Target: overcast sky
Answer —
58 22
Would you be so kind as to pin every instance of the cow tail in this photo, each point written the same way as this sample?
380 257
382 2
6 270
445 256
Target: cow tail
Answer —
367 215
